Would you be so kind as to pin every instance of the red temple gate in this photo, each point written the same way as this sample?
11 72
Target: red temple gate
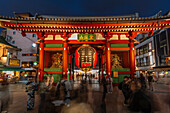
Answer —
114 40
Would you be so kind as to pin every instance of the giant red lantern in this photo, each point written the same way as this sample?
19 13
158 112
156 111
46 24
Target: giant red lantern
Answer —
86 57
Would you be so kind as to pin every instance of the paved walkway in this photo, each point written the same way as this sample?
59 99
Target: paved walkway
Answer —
90 99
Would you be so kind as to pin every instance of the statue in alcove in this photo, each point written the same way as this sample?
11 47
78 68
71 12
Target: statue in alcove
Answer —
57 61
116 61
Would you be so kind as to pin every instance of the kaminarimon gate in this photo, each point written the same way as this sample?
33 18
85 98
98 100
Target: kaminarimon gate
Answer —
64 41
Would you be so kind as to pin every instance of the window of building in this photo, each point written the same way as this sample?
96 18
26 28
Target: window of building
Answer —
33 35
141 62
146 61
25 64
14 32
137 52
162 60
141 51
146 48
13 42
29 54
33 45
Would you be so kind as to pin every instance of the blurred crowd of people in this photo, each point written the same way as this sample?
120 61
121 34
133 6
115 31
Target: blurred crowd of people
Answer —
134 91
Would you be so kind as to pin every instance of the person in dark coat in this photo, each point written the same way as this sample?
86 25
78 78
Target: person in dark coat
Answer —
31 87
104 83
150 80
125 87
139 101
142 81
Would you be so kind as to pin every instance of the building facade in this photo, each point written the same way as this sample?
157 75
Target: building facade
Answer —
162 50
9 62
112 37
144 54
28 56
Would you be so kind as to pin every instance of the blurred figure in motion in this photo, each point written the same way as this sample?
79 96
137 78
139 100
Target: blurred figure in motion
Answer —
142 81
58 89
30 89
150 80
43 88
51 81
77 108
125 87
110 87
104 82
67 88
139 101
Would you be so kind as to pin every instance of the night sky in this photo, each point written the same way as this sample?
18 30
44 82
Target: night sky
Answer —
84 7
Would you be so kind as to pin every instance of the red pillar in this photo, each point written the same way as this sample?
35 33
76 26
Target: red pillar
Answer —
132 58
65 59
73 65
41 60
102 60
70 69
108 59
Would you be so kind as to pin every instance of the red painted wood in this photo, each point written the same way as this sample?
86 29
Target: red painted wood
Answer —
124 72
102 58
53 41
132 58
108 59
53 48
53 72
119 48
119 41
41 61
65 60
86 42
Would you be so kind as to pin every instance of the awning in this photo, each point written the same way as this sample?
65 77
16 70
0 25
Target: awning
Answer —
11 69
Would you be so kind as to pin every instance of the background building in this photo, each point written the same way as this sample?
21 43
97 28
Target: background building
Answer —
145 56
162 52
9 63
28 55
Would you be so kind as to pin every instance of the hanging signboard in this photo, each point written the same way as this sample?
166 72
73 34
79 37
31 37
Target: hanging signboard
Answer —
86 37
115 74
14 62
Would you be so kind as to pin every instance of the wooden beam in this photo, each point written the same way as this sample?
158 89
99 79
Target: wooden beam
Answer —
86 42
53 72
119 48
53 48
119 41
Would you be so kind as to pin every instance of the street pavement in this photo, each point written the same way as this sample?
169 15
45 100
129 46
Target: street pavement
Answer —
84 101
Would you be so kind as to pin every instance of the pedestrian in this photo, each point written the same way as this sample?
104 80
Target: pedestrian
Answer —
139 101
142 81
58 89
150 80
51 81
125 87
43 89
104 82
109 82
67 88
30 89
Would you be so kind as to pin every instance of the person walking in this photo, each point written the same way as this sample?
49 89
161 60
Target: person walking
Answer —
43 88
110 87
51 81
104 82
142 81
125 87
30 89
139 101
67 88
150 80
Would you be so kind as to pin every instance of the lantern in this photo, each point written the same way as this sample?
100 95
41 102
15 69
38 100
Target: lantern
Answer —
85 57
